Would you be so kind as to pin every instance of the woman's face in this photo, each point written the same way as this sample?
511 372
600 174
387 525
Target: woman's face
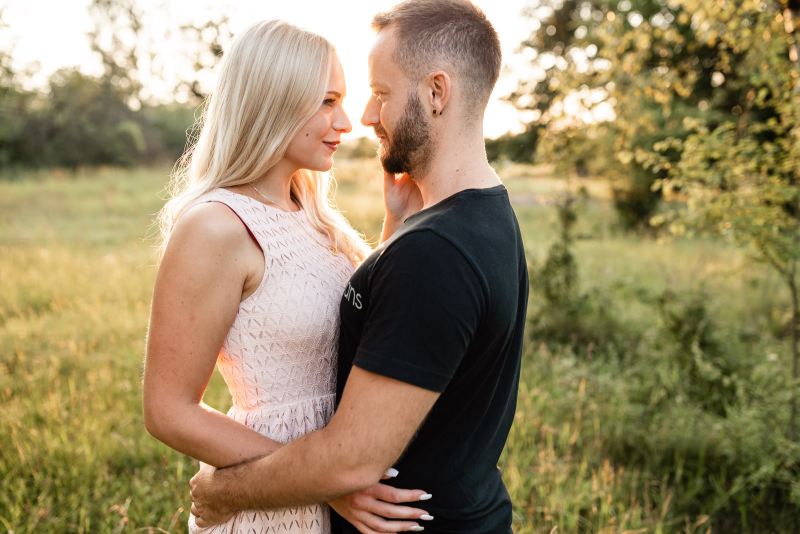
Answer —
313 146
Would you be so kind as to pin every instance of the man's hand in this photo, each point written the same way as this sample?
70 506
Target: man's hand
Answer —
207 509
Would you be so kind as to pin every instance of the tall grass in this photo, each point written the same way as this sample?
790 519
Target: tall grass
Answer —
76 272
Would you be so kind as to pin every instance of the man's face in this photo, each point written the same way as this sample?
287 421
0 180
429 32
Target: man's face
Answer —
395 111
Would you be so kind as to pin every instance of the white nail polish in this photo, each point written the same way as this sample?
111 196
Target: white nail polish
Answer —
426 517
417 529
392 472
425 497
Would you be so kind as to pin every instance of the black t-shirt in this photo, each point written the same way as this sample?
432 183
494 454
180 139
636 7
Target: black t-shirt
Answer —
441 305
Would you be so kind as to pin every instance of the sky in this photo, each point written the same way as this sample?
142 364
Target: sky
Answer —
59 39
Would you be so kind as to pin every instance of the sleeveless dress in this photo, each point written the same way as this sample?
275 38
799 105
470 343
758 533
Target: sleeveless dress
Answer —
279 357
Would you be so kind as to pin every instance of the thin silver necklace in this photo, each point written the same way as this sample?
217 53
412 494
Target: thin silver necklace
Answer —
265 197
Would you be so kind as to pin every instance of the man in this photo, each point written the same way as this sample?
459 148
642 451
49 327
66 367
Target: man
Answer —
432 322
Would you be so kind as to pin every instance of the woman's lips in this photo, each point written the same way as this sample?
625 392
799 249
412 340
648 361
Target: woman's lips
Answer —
332 146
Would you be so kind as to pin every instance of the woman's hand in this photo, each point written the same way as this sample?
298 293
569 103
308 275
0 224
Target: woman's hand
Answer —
401 198
377 509
207 512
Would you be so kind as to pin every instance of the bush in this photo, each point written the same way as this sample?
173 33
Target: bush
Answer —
561 314
635 201
519 148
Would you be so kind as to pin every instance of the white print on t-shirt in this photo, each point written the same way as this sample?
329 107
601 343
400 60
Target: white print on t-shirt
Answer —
352 296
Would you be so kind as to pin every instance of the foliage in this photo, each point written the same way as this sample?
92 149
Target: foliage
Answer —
519 148
82 120
685 405
635 71
207 42
363 147
170 127
561 313
604 440
706 108
741 173
117 37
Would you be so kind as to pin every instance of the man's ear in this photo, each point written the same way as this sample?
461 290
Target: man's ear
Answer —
439 87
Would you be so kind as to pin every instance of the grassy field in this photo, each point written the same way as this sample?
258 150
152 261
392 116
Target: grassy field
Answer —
585 455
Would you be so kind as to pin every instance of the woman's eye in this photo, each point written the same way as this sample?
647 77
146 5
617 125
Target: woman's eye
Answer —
329 101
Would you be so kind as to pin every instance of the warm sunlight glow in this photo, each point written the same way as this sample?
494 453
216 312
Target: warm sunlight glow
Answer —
59 39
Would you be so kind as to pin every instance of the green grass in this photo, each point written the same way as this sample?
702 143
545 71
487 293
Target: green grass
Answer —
76 271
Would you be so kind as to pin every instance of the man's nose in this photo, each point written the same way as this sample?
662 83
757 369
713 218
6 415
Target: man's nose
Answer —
371 115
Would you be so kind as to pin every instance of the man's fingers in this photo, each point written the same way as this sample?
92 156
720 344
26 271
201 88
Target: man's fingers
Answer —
396 495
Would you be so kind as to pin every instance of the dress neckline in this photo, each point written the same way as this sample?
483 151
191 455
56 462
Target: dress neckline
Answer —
263 204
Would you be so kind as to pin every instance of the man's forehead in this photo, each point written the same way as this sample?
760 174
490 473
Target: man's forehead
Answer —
384 42
382 67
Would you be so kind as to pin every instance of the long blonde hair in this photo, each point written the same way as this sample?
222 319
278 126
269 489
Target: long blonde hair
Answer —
270 83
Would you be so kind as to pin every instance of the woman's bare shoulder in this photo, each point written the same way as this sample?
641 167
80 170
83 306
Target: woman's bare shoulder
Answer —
208 229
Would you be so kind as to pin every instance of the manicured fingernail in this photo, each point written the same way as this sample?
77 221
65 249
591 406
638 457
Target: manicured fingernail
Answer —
417 529
392 472
425 497
426 517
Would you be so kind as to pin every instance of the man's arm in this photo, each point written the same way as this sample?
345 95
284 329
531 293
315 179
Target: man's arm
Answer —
425 303
376 419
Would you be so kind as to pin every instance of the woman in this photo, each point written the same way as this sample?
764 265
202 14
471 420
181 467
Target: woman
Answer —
254 265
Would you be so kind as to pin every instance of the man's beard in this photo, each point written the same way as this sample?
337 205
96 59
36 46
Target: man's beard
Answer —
411 147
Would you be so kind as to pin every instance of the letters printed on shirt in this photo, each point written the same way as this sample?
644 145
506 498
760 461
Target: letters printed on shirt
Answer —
352 296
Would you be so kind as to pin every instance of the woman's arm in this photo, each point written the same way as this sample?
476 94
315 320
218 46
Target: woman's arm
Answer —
209 264
401 199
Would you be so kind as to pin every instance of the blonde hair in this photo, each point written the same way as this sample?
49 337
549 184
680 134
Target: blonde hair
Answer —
270 83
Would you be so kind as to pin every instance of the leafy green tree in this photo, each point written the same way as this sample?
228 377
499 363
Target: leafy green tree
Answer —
83 121
167 128
14 105
519 148
741 172
629 71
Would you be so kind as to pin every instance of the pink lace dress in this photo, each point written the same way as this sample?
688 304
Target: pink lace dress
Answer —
279 357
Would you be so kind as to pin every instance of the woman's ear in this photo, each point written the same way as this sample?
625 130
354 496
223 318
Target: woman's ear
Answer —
439 87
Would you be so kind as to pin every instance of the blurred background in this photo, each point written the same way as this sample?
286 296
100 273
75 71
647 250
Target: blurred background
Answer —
652 152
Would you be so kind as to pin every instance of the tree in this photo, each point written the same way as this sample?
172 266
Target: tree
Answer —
629 71
85 122
207 44
706 103
117 38
518 148
16 105
741 173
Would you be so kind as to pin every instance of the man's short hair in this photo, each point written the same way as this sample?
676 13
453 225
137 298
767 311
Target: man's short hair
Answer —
453 32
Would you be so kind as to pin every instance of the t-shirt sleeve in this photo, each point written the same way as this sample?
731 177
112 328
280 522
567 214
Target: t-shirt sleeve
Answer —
425 303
